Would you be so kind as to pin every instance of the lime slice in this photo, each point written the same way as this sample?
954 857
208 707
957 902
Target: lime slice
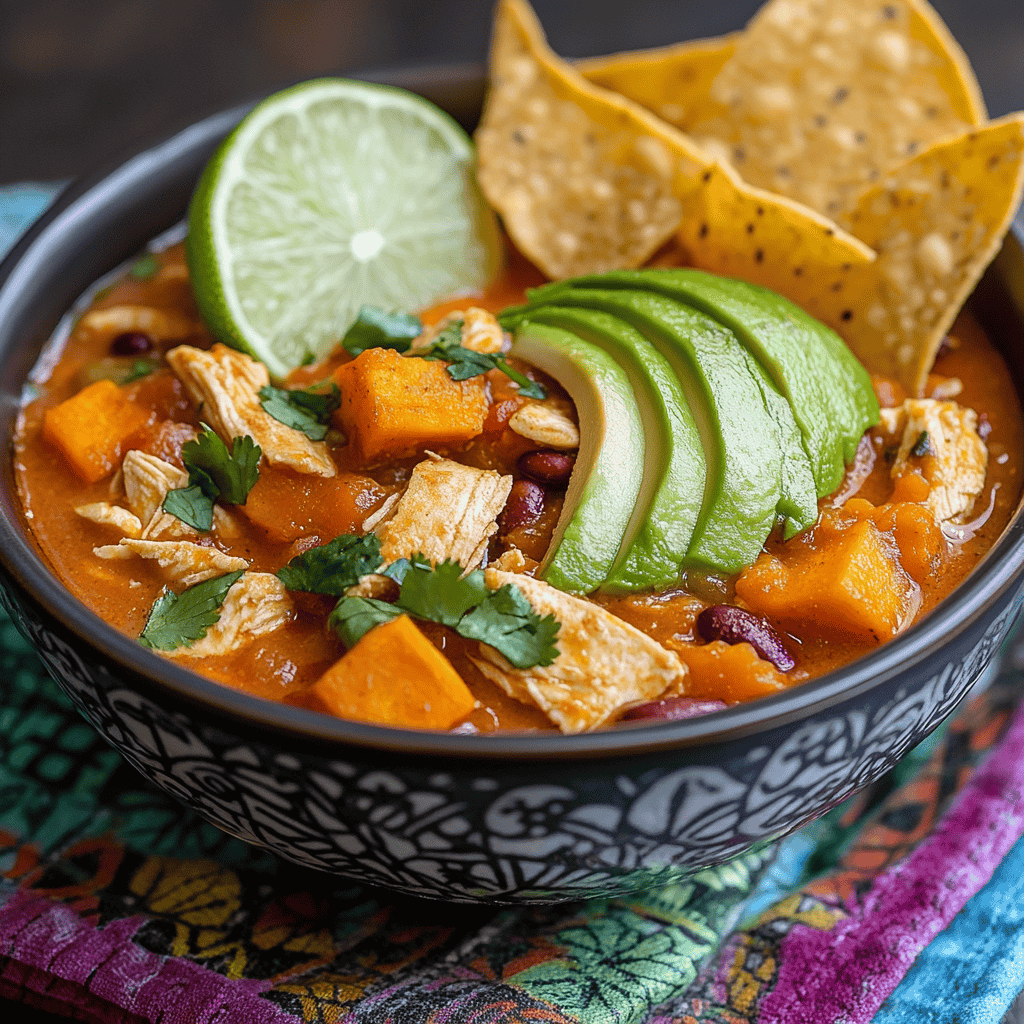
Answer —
329 195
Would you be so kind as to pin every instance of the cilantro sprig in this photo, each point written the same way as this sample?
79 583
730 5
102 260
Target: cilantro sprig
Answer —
214 472
464 363
503 618
308 411
333 567
179 620
376 328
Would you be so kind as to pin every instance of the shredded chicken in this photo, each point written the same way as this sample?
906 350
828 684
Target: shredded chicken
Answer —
940 440
159 324
227 384
512 560
147 479
603 662
448 511
481 332
182 561
105 514
546 425
257 604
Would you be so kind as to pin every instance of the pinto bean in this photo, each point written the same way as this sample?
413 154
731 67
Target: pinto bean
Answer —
735 625
524 506
547 467
131 343
671 709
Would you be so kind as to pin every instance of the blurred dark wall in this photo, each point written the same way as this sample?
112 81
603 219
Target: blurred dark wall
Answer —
82 81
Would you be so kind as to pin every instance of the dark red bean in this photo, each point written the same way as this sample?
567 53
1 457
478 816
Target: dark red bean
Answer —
131 343
547 467
735 626
524 506
671 709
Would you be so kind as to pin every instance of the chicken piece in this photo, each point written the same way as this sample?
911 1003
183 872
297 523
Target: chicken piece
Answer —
940 441
546 425
257 604
448 511
159 324
105 514
513 560
603 663
227 383
380 588
182 561
147 479
481 332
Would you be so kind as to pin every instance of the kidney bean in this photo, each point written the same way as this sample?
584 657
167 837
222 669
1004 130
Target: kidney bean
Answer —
735 626
547 467
524 506
131 343
671 709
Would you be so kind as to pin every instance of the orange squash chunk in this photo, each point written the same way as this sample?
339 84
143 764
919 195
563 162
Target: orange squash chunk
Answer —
848 582
288 506
393 676
91 429
392 404
728 672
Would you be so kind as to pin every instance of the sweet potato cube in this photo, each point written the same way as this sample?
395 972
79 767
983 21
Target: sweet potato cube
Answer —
91 429
288 506
393 676
850 585
392 404
728 672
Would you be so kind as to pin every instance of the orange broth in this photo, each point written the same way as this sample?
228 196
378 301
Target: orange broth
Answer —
291 513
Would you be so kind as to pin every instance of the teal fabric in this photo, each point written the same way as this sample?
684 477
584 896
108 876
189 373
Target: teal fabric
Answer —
976 964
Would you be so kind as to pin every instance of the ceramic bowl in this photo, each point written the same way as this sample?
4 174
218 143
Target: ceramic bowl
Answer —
511 818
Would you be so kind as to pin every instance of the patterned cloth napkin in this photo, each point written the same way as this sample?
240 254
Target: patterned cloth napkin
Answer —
119 905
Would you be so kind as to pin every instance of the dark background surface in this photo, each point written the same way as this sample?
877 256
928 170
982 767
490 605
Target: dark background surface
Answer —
82 81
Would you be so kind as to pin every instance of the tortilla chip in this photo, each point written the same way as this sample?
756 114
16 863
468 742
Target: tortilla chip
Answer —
587 181
736 230
672 81
823 97
576 196
936 222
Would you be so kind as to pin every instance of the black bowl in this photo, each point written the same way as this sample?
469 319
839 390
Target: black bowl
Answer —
472 818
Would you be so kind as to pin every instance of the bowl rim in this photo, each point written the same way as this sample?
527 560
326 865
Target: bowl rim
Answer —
993 575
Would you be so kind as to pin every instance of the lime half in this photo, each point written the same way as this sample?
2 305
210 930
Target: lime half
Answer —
329 195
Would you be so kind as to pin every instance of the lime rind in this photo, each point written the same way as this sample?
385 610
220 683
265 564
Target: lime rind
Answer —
328 196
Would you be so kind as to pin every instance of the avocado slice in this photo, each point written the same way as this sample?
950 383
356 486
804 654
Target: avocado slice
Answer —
740 437
603 489
672 488
830 393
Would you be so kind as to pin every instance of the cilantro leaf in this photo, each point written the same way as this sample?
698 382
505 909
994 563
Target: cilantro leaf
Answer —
140 368
229 476
376 328
179 620
527 388
353 617
191 506
503 618
308 411
144 267
397 570
464 363
507 622
440 594
330 568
